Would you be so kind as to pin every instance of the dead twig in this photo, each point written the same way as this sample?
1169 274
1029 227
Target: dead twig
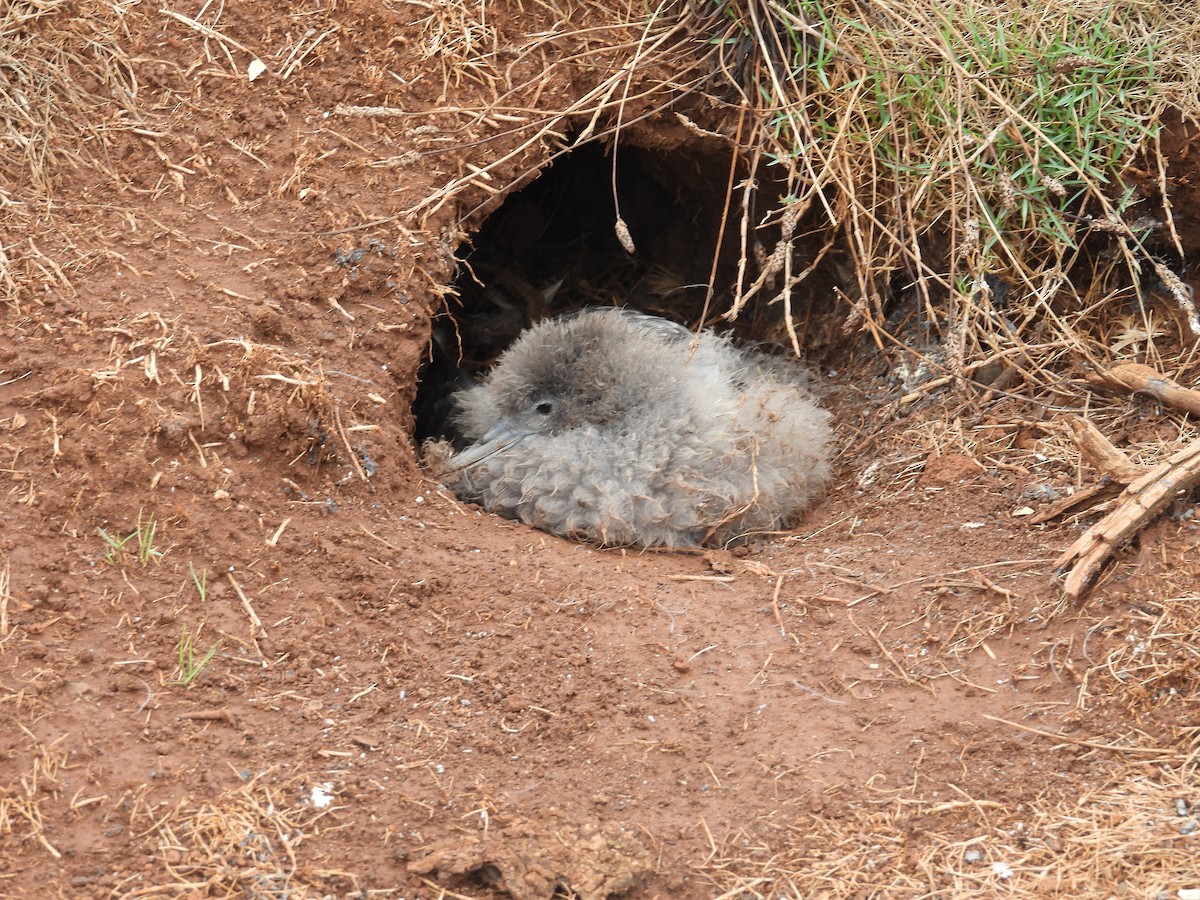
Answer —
1134 378
1149 490
337 415
1140 503
1095 745
255 621
212 715
5 597
1116 468
1092 495
1101 453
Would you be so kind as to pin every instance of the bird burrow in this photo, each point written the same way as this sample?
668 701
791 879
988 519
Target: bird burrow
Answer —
553 247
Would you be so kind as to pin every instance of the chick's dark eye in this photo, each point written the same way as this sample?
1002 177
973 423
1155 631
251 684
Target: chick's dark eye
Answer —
544 408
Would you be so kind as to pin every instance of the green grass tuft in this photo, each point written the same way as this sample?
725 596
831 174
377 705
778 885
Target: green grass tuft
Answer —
200 580
189 666
953 145
142 539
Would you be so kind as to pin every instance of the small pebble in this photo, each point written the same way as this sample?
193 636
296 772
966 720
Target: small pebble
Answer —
1041 493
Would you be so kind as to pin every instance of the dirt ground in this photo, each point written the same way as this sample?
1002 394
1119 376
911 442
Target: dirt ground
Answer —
219 295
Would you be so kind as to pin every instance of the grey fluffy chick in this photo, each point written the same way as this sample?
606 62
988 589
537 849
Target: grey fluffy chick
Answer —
622 428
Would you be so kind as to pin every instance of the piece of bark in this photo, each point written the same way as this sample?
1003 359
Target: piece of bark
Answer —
1144 499
1116 470
1082 499
1102 453
1135 378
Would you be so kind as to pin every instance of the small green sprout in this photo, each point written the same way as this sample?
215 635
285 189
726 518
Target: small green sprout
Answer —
200 580
190 667
144 534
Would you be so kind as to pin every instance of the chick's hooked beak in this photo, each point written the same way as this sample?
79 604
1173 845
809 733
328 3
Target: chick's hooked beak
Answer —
500 437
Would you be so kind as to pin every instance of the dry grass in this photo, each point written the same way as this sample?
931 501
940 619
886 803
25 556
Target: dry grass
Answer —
1132 833
65 84
459 39
638 64
981 156
1129 837
22 795
1149 660
242 843
194 387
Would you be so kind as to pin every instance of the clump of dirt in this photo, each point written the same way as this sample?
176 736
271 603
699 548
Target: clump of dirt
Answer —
529 861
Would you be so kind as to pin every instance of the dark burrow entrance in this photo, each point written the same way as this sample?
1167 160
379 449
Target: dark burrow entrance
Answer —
553 248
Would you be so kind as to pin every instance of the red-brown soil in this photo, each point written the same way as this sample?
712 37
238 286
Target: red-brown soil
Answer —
407 693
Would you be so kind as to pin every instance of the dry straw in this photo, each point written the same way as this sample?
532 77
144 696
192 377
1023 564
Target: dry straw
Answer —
1129 835
65 84
985 160
243 842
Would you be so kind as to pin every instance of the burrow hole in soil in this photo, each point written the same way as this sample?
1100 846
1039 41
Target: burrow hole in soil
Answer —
552 247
